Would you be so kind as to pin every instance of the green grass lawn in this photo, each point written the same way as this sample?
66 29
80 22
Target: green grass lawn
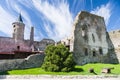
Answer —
79 70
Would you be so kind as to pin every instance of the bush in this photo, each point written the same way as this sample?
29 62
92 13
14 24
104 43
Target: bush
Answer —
58 59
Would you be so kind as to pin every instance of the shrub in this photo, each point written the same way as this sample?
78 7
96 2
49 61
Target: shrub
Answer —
58 59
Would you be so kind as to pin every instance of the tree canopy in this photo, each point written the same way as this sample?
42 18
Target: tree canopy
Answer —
58 59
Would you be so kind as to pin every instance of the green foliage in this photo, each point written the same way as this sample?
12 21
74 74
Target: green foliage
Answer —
58 59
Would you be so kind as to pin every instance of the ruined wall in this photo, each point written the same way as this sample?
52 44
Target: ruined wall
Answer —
90 40
31 61
115 38
40 46
68 42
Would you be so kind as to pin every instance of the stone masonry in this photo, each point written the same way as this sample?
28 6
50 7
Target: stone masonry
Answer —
90 42
115 38
34 60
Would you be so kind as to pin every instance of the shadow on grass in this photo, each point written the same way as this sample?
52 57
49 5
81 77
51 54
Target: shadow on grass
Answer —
4 73
95 73
78 70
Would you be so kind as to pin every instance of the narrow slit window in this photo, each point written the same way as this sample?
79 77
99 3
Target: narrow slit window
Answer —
100 51
93 38
83 32
86 51
18 47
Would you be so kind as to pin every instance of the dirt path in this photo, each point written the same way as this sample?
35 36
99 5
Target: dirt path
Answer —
59 77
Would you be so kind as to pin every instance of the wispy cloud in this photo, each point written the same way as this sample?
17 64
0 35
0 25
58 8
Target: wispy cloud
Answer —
9 14
57 15
6 22
104 11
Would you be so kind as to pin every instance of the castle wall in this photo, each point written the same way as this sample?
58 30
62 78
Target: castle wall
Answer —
34 60
90 42
40 46
8 45
115 38
17 47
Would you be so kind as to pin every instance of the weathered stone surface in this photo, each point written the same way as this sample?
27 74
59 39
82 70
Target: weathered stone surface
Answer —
31 61
115 38
6 65
90 42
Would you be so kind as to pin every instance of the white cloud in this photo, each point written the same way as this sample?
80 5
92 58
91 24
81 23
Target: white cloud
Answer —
104 11
6 20
8 16
58 15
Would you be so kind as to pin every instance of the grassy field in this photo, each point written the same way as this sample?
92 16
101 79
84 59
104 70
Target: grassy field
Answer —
79 70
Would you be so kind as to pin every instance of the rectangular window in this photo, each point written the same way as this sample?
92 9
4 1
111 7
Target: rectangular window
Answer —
94 53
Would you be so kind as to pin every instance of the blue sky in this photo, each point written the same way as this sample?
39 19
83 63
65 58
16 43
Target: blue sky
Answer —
54 18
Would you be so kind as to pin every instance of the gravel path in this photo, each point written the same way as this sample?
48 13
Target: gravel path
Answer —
58 77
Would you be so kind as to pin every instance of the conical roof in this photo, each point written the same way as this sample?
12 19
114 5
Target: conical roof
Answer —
19 18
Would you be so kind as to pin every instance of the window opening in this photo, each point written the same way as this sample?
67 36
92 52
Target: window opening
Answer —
100 51
86 51
93 38
94 53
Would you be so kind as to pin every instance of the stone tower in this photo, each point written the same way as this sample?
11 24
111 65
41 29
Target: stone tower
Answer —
18 29
32 36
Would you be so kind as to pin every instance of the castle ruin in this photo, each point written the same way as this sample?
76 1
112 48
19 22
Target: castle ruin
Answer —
90 42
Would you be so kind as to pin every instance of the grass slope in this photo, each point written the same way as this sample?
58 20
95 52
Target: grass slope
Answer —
79 70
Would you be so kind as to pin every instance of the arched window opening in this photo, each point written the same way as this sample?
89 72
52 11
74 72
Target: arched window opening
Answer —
83 32
18 47
94 53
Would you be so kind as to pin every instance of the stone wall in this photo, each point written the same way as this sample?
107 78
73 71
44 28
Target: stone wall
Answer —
34 60
115 38
40 46
91 42
8 45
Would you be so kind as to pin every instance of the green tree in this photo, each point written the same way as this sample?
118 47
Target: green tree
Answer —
58 59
